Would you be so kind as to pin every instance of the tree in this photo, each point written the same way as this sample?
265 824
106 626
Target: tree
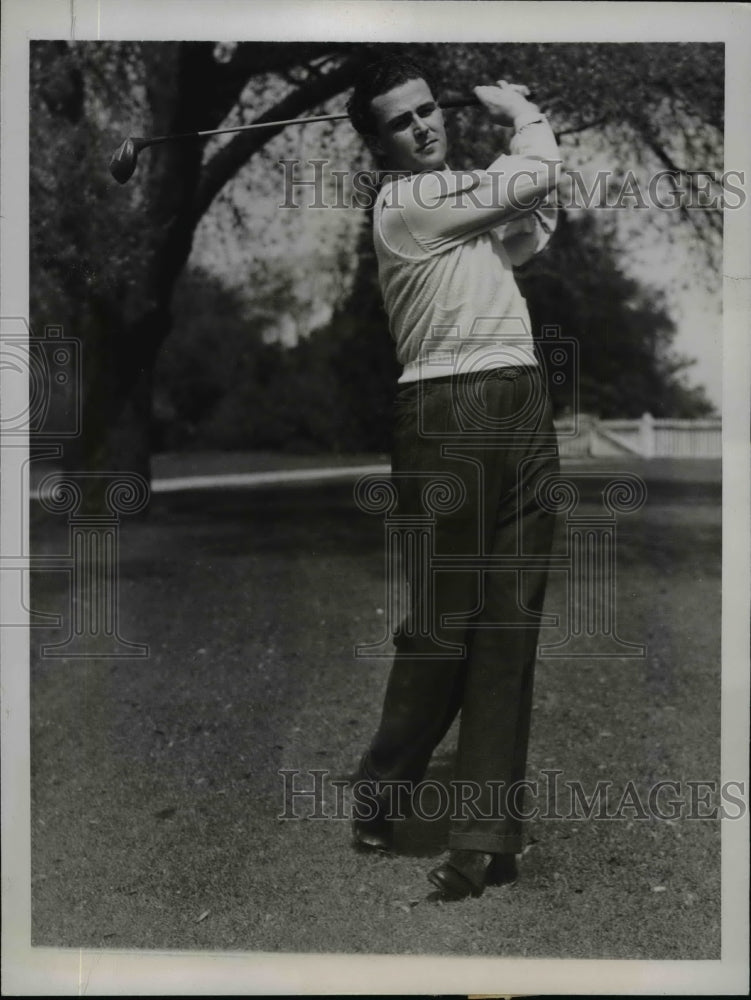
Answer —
127 247
622 330
646 106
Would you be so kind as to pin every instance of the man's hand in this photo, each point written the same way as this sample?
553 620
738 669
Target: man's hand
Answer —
505 102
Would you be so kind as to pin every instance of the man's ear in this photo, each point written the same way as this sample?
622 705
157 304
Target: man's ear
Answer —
374 145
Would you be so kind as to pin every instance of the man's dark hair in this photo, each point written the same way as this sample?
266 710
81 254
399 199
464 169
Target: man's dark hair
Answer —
378 78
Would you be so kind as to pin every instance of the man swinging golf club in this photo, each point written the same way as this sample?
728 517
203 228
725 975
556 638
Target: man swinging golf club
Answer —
471 418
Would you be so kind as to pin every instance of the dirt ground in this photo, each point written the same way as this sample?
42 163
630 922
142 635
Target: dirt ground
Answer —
156 784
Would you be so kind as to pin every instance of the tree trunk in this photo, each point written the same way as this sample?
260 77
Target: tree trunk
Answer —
123 332
187 90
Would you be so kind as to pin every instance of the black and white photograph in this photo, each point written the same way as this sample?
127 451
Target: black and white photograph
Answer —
375 466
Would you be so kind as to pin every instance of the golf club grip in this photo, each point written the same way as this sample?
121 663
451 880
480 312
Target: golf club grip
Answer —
467 101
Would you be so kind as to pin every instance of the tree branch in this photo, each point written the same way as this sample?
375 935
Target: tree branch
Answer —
228 160
713 216
581 128
255 58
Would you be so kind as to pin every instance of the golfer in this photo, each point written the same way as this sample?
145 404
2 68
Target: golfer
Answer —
473 438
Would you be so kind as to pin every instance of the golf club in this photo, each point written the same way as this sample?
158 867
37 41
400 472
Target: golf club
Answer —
125 158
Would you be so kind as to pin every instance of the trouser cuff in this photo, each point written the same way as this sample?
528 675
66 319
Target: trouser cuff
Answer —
489 842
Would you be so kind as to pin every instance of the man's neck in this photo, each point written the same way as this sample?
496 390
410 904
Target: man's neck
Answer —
395 175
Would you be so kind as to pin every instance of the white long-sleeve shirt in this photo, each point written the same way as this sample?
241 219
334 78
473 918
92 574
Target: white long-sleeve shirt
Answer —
446 244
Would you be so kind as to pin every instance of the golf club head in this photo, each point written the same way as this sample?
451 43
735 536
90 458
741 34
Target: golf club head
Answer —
124 160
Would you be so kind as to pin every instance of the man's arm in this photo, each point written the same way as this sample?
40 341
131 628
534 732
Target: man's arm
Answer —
525 237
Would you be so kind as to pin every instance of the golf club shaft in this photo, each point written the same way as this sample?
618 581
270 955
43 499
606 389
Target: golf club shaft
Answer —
241 128
454 102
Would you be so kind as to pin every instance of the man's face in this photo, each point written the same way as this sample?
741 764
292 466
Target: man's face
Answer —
410 130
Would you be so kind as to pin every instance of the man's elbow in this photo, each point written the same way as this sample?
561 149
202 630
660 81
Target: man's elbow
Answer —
551 176
556 172
527 189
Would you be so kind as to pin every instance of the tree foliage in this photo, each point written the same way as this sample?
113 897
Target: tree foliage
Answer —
646 105
622 330
333 391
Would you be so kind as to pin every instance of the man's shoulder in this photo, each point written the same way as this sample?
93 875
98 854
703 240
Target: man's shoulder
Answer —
390 180
424 189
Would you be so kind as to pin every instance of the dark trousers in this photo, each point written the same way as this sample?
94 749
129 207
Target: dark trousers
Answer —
469 453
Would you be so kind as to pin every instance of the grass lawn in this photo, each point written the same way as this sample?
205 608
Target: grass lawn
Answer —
156 790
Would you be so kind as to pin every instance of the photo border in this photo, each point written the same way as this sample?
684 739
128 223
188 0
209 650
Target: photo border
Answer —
28 971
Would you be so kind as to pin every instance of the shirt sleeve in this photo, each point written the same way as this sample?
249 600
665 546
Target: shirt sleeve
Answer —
525 237
441 209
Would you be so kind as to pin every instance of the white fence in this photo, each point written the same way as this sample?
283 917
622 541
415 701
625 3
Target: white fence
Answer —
647 437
